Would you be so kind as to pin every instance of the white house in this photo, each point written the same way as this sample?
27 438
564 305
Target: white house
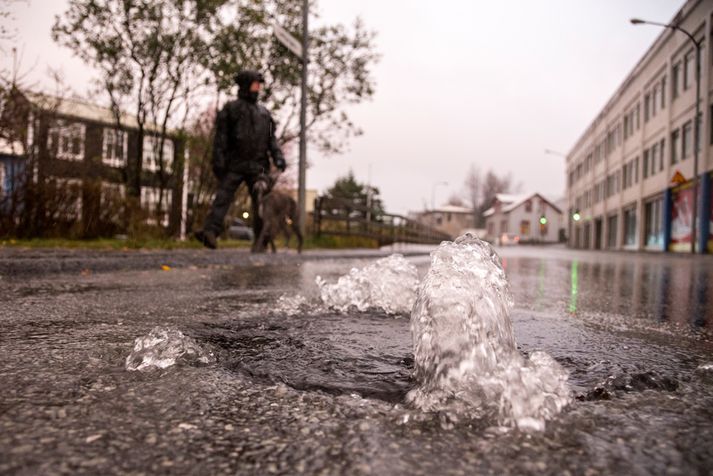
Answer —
532 217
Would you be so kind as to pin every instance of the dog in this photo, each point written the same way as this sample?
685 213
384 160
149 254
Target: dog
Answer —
278 212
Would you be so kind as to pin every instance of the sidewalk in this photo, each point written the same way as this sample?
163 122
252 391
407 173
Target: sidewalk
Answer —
25 262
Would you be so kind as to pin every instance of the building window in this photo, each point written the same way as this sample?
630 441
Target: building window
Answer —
662 148
65 140
687 141
647 107
638 116
646 164
3 178
675 144
676 80
112 202
151 154
636 170
114 147
528 206
612 222
525 228
149 202
663 92
630 226
689 70
655 100
653 211
64 199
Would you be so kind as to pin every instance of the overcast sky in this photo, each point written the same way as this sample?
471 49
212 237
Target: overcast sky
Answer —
460 82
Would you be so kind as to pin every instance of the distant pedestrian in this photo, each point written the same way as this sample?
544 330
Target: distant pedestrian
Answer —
244 138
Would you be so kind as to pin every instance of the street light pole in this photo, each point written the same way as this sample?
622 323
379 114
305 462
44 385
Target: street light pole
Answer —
696 126
433 193
302 185
554 152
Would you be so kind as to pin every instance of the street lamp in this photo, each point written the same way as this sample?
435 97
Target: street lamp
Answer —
433 193
554 152
697 132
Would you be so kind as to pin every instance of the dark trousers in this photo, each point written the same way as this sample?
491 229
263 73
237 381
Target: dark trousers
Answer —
224 198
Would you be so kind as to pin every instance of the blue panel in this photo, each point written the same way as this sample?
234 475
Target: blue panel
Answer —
704 213
667 209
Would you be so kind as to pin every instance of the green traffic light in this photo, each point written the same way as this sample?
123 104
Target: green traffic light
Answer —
543 221
576 216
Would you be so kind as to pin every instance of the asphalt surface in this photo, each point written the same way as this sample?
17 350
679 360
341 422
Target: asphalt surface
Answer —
304 390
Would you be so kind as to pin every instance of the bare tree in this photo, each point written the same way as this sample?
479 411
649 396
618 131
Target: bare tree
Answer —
341 60
480 190
474 191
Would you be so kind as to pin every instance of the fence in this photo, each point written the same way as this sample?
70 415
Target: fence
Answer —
333 216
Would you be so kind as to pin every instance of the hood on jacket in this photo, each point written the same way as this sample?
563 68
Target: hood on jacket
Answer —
244 79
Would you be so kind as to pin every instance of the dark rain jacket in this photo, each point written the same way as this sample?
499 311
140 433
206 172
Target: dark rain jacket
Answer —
245 134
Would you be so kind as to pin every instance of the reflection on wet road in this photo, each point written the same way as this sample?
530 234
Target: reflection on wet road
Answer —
321 392
656 288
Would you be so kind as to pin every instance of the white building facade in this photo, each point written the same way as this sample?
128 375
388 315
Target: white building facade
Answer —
532 218
630 175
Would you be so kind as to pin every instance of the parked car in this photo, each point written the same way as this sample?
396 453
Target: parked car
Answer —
239 230
509 239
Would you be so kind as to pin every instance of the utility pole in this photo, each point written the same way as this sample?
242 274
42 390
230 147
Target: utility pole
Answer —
302 187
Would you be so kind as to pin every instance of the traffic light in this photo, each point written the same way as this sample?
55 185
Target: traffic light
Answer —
543 220
576 216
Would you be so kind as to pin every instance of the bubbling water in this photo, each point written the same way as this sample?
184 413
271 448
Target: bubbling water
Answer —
164 347
466 359
388 284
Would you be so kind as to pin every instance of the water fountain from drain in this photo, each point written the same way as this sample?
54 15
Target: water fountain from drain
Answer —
388 284
467 363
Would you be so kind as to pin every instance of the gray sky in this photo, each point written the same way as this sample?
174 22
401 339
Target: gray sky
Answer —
460 82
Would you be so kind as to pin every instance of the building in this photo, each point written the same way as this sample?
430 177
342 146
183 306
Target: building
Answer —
450 219
531 217
630 175
76 151
310 196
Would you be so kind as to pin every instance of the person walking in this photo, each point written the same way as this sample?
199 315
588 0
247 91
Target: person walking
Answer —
244 138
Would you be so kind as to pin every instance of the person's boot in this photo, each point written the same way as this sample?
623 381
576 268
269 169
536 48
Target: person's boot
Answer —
207 238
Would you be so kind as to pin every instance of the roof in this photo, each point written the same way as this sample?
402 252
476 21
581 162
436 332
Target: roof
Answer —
450 209
75 107
512 202
509 198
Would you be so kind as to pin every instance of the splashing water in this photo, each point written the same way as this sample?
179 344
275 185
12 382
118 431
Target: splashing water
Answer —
290 305
164 347
465 354
389 284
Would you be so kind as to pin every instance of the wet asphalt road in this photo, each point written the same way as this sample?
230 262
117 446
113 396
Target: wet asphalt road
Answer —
310 391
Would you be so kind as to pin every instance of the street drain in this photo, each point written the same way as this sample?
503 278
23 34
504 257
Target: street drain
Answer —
364 354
